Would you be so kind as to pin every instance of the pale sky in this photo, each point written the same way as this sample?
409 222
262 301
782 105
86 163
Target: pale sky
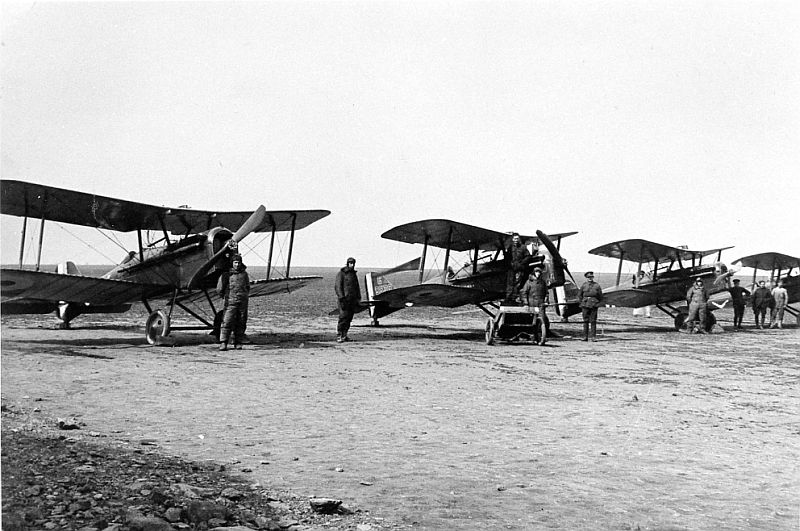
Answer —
677 122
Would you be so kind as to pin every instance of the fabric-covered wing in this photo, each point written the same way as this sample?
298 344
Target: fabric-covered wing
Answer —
431 295
258 288
629 297
637 250
769 261
42 286
79 208
444 233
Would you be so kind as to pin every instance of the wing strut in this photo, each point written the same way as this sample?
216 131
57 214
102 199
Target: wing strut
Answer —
41 231
22 241
271 249
141 249
447 254
619 268
422 261
291 243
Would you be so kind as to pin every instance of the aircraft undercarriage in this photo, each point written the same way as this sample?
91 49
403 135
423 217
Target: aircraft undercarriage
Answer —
159 321
679 315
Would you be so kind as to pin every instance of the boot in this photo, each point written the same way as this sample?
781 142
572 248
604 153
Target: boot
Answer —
585 331
223 346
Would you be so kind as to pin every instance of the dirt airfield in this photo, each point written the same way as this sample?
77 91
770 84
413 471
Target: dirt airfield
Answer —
423 425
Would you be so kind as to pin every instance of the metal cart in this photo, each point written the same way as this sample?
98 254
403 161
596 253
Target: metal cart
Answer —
515 323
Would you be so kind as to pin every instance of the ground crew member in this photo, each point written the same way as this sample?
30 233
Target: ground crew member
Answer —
534 295
234 287
590 296
738 295
697 298
781 298
518 258
348 293
761 301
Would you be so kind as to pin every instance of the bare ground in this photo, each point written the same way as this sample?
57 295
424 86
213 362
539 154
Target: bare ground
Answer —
427 427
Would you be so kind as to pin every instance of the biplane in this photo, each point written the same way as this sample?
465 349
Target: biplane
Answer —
480 279
780 267
672 271
181 253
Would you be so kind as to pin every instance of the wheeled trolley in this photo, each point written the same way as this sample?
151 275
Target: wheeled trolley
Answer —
514 323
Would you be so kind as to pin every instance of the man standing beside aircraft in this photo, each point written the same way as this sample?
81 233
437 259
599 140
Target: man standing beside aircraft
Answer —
234 287
697 298
781 298
518 257
761 301
348 292
738 294
534 295
590 296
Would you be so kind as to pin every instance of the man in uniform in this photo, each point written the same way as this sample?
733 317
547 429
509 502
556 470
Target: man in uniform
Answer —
697 298
590 296
534 295
234 287
348 293
738 295
761 301
518 258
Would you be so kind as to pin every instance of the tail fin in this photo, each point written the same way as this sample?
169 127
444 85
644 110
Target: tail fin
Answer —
67 268
376 284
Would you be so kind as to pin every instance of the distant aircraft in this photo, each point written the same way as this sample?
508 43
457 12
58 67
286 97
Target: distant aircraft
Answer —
180 272
780 267
480 281
673 271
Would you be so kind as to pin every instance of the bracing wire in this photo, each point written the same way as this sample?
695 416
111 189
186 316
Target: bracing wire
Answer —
87 244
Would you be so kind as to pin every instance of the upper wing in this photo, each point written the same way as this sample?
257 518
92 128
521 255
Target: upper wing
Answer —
769 261
78 208
637 250
19 284
456 236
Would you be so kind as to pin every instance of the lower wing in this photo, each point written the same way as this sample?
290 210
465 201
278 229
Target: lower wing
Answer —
258 288
431 295
21 287
629 297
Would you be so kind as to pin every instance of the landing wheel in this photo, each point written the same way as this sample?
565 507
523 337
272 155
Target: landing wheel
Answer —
490 330
540 331
157 327
710 321
680 319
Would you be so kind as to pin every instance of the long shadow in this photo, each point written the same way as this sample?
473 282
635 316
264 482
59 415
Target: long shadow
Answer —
82 342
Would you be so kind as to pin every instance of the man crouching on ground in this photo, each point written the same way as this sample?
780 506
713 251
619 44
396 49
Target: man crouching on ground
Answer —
234 287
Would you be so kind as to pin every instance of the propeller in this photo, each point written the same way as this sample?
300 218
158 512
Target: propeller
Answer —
559 264
723 278
252 223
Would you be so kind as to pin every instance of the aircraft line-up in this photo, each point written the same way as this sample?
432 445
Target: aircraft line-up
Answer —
180 269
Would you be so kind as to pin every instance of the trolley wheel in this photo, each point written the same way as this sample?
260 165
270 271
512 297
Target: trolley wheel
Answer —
710 321
680 319
540 331
157 327
490 331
